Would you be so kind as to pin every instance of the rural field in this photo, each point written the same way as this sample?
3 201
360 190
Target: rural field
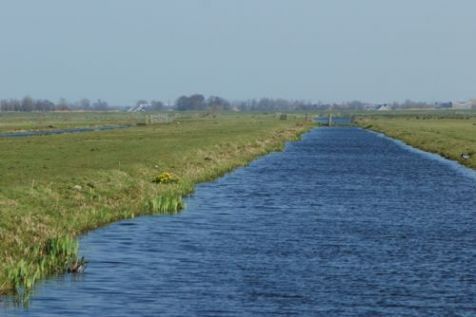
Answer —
237 158
448 134
27 121
54 188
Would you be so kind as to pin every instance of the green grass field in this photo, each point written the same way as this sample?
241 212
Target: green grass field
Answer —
448 134
19 121
55 187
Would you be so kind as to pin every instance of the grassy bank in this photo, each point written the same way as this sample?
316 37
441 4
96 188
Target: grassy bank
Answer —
53 188
446 134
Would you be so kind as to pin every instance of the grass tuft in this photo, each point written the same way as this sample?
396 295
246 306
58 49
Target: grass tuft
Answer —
165 204
53 256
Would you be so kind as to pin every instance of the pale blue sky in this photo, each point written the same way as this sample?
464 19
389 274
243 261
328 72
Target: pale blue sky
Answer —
329 50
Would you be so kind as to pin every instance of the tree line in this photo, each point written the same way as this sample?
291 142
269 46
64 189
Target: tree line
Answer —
28 104
198 102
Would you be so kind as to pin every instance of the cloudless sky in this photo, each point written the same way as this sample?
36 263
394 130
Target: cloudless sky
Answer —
328 50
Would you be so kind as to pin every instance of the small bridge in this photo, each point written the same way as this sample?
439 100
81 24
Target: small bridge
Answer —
331 120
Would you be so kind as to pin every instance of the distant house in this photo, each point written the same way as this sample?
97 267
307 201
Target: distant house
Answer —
462 105
139 108
384 108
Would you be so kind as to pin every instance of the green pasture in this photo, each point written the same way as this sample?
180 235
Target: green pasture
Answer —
449 134
55 187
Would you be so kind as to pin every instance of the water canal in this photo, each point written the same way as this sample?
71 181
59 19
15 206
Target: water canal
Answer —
343 223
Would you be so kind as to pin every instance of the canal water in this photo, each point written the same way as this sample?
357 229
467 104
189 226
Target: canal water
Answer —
345 222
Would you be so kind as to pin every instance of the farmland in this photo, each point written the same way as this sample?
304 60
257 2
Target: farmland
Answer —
56 187
447 134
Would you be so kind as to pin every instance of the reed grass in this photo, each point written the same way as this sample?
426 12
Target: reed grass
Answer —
165 204
50 257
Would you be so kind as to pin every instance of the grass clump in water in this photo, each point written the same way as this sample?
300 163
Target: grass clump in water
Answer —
55 255
165 204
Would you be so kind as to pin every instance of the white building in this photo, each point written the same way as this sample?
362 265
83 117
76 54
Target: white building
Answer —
139 108
384 108
469 104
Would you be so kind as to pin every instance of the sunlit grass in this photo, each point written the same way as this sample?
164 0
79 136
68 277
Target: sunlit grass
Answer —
165 204
449 135
57 187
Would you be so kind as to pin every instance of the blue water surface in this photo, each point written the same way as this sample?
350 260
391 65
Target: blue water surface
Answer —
343 223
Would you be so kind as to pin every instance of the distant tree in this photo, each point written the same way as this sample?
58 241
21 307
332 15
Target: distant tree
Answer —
84 104
27 104
182 103
44 105
217 103
355 104
100 105
15 105
62 105
156 105
197 102
193 102
6 105
141 102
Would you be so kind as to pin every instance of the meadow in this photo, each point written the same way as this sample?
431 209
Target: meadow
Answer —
53 188
26 121
446 133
